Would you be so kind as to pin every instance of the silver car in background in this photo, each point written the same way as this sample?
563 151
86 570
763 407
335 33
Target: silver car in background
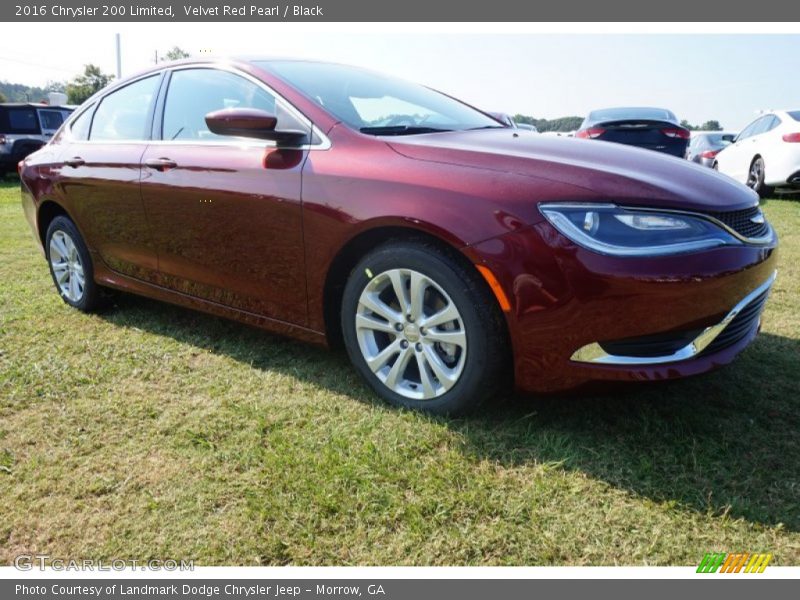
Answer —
705 145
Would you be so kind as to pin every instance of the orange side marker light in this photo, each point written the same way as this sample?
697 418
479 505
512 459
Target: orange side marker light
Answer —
505 305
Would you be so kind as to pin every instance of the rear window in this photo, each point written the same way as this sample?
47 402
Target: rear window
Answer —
795 114
20 120
617 114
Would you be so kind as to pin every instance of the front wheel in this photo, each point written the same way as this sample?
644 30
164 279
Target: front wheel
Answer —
423 330
755 178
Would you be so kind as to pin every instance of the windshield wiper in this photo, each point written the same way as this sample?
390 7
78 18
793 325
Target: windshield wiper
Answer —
401 130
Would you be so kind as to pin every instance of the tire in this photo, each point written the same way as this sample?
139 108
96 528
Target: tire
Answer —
71 266
755 178
432 375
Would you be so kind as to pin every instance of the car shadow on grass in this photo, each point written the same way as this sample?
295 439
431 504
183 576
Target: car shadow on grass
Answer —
722 443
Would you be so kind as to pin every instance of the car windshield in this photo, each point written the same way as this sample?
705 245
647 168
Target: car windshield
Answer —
377 104
617 114
795 114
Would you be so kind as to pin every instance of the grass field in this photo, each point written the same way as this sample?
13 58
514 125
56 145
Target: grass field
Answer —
150 431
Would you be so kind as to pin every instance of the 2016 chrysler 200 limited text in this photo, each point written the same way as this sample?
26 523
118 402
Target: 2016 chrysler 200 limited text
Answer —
443 249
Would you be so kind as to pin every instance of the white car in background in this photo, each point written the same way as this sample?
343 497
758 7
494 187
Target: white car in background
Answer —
766 154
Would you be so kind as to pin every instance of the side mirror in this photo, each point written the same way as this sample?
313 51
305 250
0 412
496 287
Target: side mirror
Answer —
252 123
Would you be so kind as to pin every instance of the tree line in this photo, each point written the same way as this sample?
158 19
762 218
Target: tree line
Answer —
574 123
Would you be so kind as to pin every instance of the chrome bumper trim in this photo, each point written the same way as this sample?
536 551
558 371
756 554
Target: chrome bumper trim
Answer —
594 353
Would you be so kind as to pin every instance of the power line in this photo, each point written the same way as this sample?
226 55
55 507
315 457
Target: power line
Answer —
32 64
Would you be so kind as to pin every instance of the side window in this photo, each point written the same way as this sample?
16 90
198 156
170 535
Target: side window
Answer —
193 93
764 125
751 129
51 119
122 115
80 126
774 122
22 121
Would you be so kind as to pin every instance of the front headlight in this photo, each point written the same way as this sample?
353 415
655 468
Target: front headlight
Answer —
610 229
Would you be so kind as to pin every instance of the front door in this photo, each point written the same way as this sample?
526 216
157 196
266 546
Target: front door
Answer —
225 212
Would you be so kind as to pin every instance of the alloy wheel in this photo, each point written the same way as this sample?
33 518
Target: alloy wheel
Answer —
756 175
411 334
67 266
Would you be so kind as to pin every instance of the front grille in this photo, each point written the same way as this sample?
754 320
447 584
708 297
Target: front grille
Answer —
740 221
742 325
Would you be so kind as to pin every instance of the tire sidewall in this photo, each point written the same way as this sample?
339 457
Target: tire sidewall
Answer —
87 300
461 397
760 187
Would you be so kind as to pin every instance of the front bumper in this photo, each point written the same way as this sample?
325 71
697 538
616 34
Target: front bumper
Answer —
568 302
737 324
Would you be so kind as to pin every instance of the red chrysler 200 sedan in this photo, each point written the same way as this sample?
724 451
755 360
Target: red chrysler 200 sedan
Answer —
443 249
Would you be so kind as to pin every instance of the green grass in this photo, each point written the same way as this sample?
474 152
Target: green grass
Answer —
150 431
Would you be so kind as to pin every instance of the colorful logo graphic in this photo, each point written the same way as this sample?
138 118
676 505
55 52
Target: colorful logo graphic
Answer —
743 562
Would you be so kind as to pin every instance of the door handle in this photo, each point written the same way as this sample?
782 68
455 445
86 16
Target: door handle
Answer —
75 162
160 164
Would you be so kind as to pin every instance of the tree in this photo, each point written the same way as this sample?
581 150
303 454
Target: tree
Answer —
711 126
176 53
83 86
686 125
560 124
3 98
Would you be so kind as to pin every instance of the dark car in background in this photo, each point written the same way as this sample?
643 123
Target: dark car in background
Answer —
24 128
652 128
704 146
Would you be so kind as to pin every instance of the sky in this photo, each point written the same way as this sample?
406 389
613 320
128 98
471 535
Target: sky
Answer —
698 76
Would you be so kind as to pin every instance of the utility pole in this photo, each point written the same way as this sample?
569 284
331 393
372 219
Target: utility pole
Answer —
119 58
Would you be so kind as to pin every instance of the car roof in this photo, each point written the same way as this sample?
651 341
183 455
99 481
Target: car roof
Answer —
702 133
35 105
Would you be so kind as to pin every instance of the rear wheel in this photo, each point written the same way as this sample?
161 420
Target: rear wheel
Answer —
422 329
71 265
755 178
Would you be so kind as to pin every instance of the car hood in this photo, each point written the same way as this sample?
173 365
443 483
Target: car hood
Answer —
612 172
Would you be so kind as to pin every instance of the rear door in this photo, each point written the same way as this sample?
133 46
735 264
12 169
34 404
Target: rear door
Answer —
99 177
226 212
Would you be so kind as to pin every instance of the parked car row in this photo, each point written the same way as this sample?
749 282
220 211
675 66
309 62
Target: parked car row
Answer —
764 156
